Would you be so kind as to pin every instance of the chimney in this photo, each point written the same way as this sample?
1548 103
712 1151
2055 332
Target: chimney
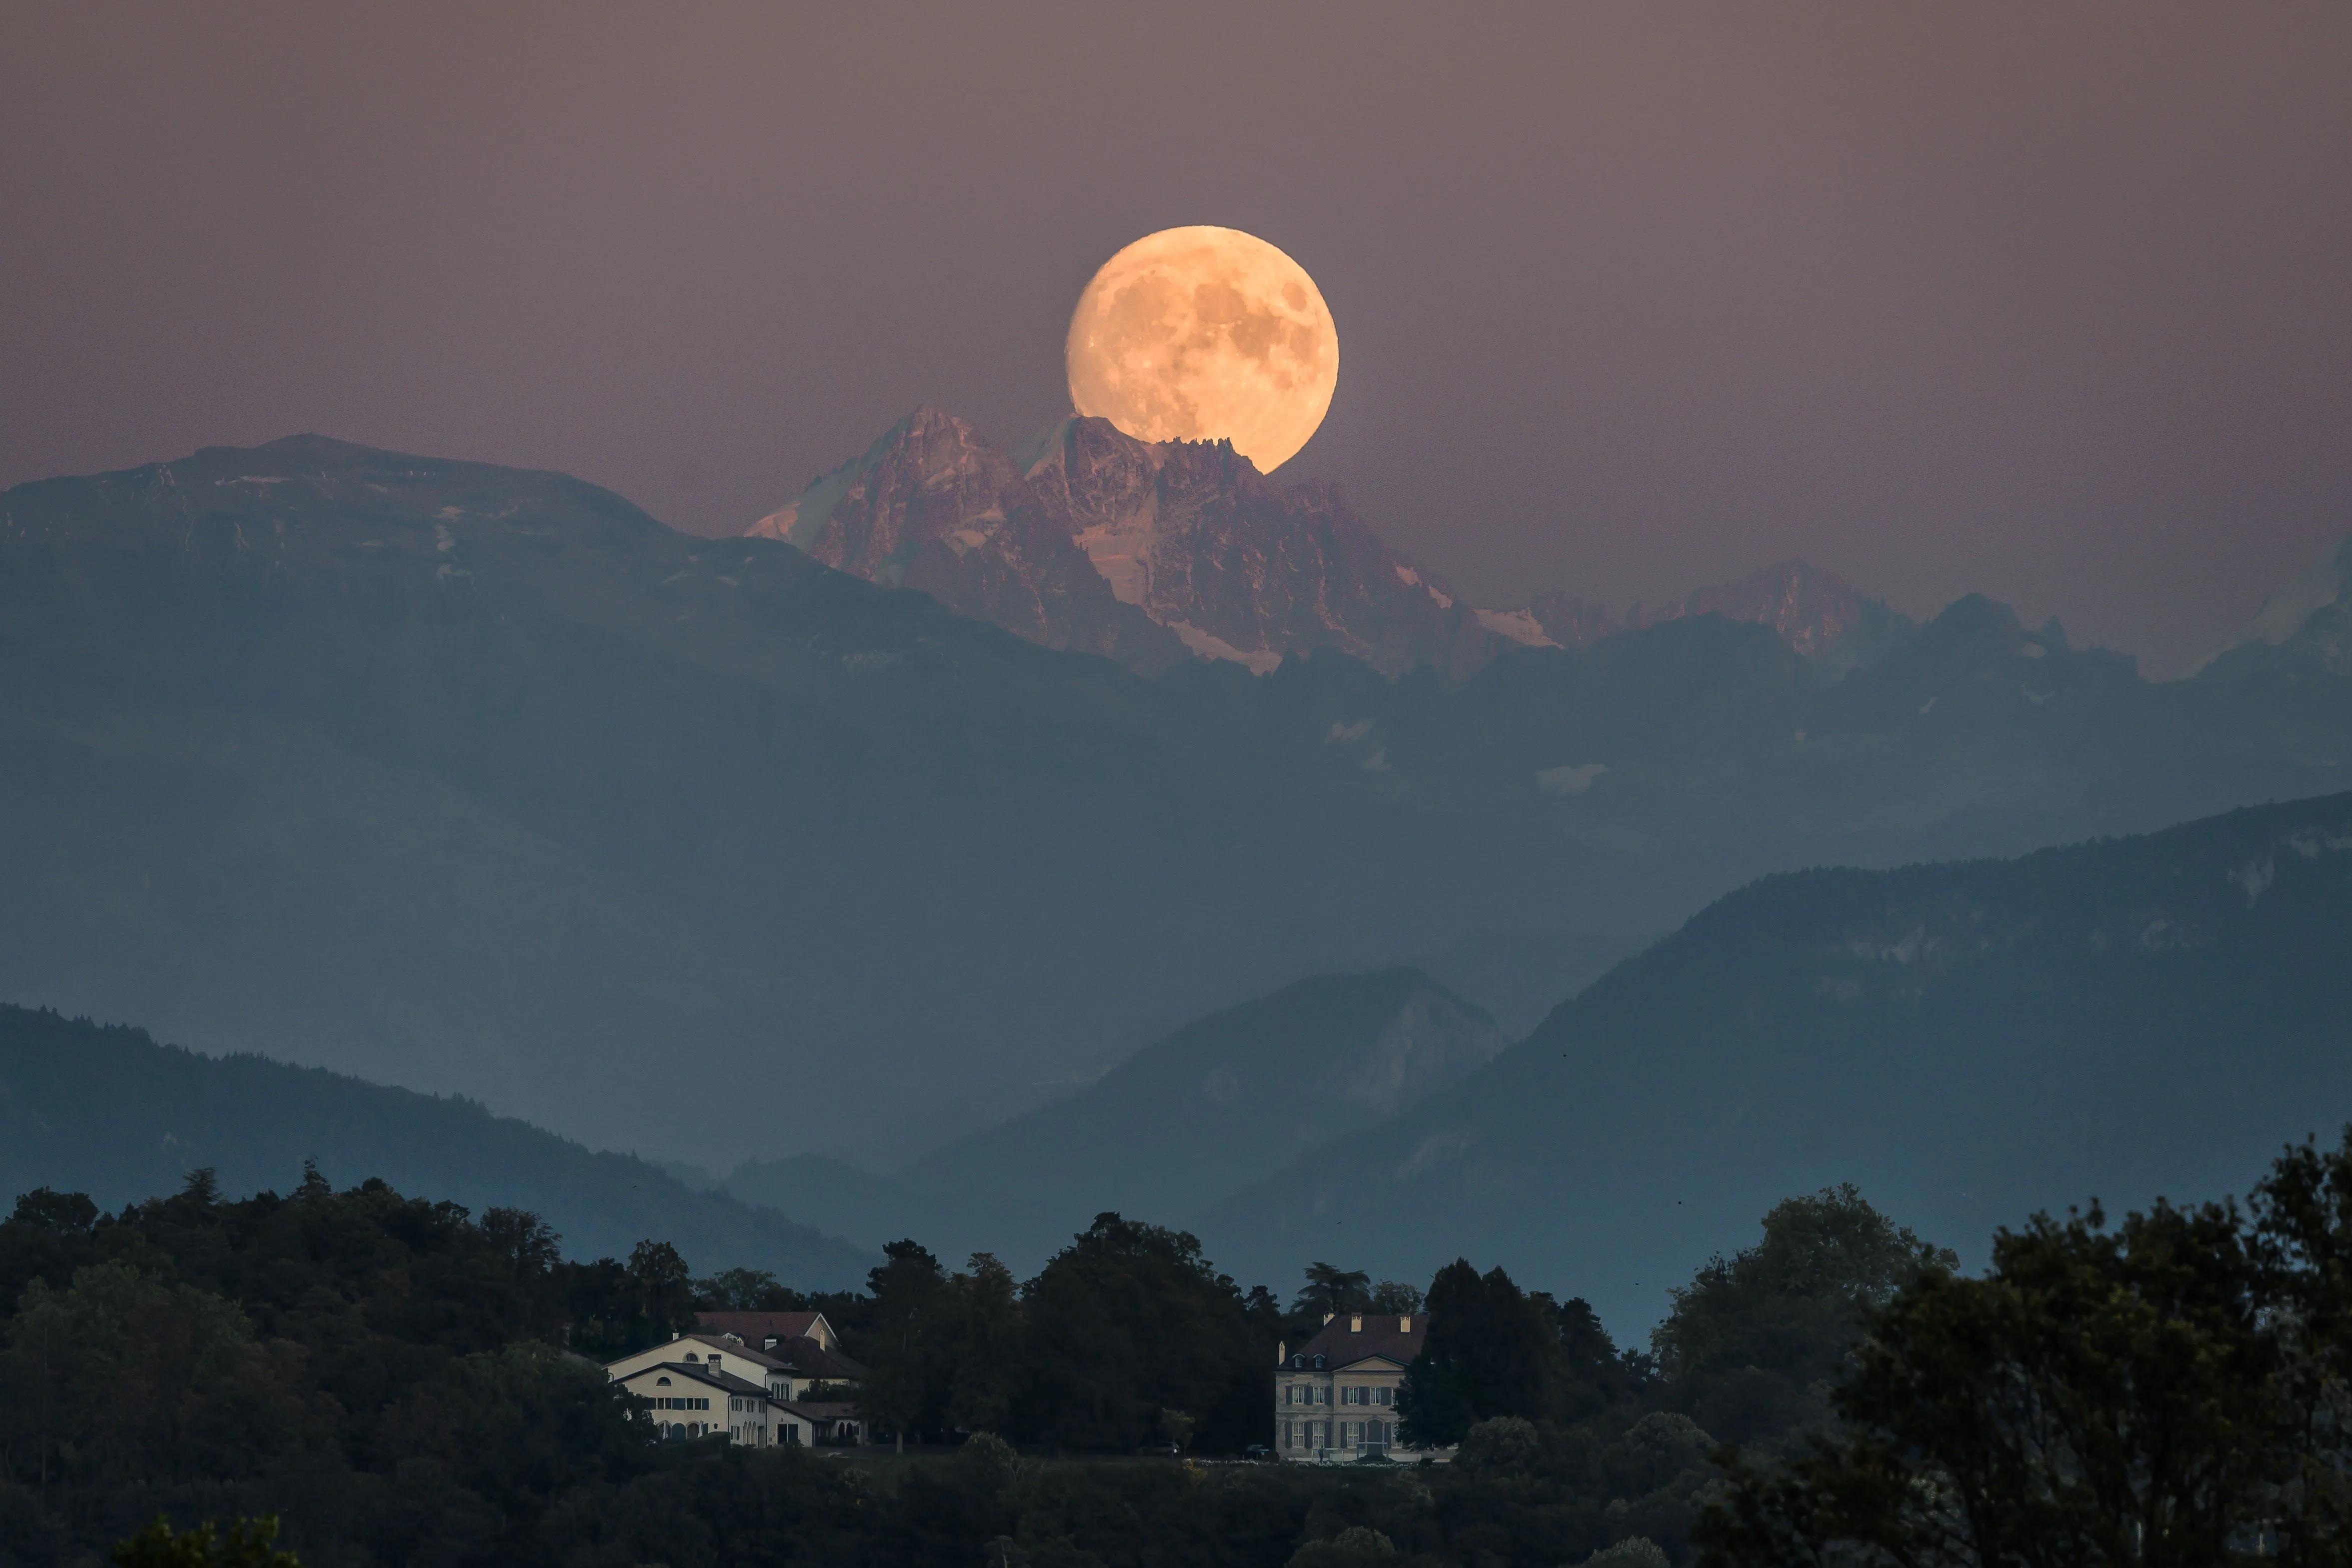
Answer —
1327 1317
771 1344
1281 1352
1356 1323
1404 1325
673 1336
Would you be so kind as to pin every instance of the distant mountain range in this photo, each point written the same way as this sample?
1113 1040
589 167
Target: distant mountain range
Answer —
106 1111
1968 1043
1087 539
477 779
1184 1122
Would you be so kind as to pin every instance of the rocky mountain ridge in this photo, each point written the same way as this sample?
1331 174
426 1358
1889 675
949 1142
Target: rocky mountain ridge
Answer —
1086 538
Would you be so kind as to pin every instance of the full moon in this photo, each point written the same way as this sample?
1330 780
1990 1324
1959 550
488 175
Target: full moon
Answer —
1194 334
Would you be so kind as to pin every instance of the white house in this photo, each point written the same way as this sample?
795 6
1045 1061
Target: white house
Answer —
1335 1397
701 1383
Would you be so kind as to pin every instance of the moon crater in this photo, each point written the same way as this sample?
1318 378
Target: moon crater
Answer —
1202 334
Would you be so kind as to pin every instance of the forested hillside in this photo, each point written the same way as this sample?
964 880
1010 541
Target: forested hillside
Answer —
406 1384
107 1111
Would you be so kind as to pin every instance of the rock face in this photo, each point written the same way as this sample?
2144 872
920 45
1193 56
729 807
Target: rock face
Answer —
1089 539
931 505
1196 538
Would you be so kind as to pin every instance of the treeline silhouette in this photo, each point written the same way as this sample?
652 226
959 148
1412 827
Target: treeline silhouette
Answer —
399 1382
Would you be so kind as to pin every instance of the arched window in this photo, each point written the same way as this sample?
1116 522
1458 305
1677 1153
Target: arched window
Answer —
661 1383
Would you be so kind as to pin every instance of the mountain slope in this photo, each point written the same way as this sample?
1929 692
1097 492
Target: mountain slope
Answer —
1968 1043
106 1111
1181 1123
481 780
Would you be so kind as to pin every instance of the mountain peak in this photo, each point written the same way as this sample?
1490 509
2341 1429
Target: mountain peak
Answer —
1085 536
1191 539
1811 608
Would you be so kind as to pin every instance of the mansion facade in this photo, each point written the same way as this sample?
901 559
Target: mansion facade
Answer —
1335 1397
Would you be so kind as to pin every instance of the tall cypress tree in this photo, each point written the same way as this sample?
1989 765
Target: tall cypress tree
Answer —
1490 1351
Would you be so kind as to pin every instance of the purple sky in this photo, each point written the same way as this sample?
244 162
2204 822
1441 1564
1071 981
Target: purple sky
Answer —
2054 302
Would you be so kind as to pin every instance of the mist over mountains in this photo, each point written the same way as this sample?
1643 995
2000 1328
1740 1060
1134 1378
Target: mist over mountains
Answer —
1968 1042
479 779
1215 1107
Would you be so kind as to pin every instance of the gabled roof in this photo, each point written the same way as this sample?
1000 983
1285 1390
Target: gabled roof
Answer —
825 1410
1352 1338
811 1359
773 1360
696 1374
752 1328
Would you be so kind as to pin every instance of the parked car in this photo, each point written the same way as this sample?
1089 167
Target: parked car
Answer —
1160 1448
1257 1451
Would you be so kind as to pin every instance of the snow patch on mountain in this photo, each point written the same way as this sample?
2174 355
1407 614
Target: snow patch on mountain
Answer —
1518 625
1209 645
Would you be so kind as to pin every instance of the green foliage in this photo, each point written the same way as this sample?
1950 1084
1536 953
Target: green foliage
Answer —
747 1290
2166 1391
1633 1552
1330 1289
1357 1546
231 1543
389 1377
1752 1344
1490 1351
1130 1320
1501 1444
127 1379
904 1389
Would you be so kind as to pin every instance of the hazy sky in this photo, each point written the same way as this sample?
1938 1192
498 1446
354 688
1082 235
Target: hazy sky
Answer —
2052 301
